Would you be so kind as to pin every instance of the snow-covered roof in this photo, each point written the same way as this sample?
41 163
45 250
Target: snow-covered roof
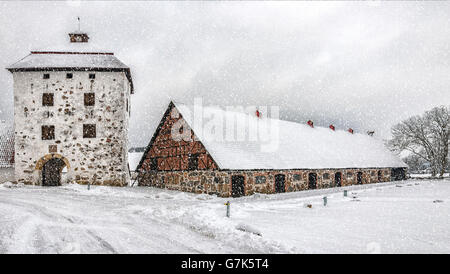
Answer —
289 146
55 59
71 60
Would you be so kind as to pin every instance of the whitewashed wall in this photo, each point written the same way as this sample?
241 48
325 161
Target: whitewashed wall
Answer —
104 157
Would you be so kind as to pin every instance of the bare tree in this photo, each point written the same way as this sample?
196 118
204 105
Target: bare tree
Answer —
426 136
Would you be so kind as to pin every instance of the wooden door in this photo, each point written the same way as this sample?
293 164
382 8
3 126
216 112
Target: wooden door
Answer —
312 181
338 179
280 183
51 172
237 186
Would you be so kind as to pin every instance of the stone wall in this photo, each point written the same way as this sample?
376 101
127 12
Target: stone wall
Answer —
219 181
100 160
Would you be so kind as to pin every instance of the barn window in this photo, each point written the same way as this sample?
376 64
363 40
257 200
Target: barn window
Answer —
47 99
193 162
296 177
91 75
46 76
326 176
89 131
69 75
48 132
154 164
89 99
260 179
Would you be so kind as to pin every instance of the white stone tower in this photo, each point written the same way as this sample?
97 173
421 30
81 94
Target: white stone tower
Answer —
71 113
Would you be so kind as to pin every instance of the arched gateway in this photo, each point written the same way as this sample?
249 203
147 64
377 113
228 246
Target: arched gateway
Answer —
51 167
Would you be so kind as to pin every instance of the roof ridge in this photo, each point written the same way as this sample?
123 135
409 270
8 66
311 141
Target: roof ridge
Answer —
72 52
269 118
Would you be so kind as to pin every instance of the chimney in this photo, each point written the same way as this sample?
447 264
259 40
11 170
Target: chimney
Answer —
310 123
332 127
350 130
78 36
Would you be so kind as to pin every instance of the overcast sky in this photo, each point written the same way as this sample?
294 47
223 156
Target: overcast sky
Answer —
365 65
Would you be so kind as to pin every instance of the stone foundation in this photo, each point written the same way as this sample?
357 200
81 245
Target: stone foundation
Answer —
219 181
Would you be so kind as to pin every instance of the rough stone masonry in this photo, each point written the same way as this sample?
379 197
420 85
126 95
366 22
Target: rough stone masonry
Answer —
71 115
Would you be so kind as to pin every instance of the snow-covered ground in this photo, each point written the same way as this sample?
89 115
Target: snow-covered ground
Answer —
402 217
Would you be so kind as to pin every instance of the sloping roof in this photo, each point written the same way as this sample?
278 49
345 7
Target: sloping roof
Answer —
6 147
71 60
295 146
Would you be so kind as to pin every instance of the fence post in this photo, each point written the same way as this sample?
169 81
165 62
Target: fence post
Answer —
228 208
345 193
325 201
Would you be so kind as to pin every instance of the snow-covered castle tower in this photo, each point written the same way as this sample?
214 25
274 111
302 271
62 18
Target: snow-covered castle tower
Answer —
71 113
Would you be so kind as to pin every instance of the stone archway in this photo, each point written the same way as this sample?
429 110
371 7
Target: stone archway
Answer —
50 167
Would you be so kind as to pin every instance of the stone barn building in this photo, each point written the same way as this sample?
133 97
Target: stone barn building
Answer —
303 156
71 113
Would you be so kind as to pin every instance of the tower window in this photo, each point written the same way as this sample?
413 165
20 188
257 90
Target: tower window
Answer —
89 131
48 132
89 99
47 99
46 76
69 75
91 75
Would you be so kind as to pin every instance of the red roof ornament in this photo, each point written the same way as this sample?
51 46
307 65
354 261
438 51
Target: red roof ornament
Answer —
332 127
350 130
310 123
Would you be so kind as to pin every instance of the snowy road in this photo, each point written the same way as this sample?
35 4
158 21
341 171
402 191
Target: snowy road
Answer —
386 218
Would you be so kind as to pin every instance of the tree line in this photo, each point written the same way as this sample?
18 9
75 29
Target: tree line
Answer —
426 138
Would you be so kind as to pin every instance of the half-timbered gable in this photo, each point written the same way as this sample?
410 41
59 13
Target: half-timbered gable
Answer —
165 153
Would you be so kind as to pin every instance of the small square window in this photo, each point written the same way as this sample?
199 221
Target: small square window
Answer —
48 132
260 179
47 99
89 99
69 75
91 75
89 131
52 148
46 76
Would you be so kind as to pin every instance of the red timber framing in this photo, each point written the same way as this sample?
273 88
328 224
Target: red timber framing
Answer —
166 154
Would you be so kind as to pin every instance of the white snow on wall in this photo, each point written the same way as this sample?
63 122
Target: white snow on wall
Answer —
293 146
134 159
